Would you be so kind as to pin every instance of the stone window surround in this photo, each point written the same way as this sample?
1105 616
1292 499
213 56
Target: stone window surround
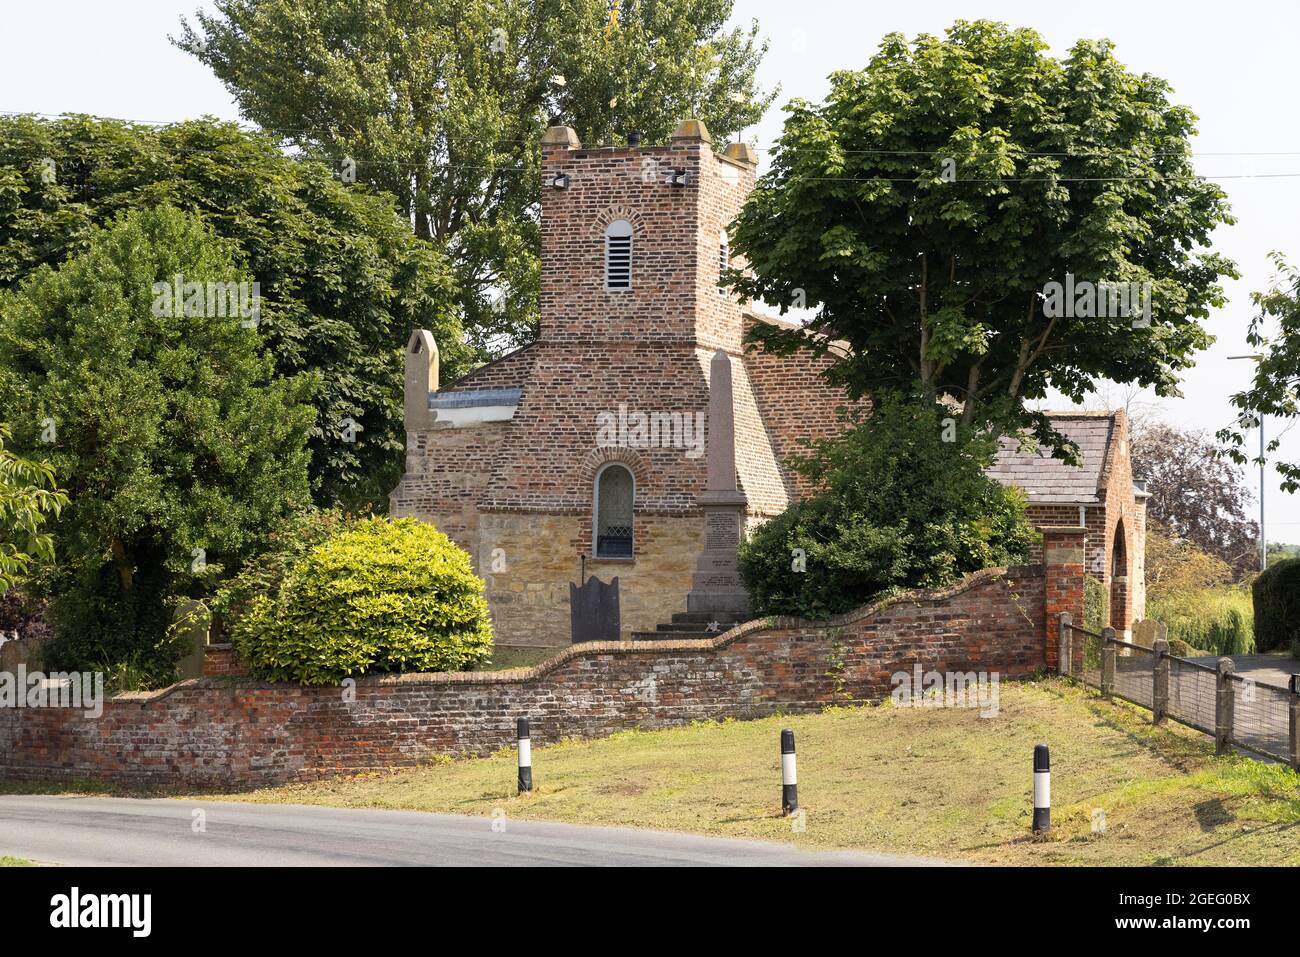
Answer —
595 513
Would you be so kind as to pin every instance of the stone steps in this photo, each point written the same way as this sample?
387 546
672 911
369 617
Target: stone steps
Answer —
689 624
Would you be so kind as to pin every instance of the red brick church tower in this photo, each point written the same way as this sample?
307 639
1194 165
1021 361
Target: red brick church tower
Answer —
584 453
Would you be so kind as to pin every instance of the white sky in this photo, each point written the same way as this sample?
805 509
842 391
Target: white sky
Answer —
1236 68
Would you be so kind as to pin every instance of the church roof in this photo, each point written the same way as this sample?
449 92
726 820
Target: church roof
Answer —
1050 481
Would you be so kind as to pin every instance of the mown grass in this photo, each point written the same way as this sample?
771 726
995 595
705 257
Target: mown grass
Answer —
506 657
15 862
934 782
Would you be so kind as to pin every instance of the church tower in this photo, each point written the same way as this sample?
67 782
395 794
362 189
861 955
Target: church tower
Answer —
634 239
603 447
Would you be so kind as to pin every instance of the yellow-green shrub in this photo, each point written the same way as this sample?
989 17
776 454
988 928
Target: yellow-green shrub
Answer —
1218 621
376 596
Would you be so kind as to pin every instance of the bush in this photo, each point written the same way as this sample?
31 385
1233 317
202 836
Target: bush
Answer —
1218 621
905 504
374 596
1276 597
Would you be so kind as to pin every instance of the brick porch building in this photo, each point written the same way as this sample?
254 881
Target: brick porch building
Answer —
583 452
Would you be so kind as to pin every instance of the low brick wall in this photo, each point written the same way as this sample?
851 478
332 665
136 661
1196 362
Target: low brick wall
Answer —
238 732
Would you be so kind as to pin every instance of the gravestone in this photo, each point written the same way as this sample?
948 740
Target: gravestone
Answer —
1146 631
593 611
716 586
192 621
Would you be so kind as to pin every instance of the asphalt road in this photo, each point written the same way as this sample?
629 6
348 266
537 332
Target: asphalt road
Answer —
98 831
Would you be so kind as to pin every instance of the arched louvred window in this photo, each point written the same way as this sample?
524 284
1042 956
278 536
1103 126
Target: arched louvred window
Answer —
724 259
618 255
615 489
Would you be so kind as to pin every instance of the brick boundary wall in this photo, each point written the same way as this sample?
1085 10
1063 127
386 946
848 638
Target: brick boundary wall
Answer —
233 732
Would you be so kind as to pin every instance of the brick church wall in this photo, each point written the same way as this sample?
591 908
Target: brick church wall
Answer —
233 732
519 495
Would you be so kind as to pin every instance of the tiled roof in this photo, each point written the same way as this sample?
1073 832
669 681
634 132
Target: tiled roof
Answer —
1049 481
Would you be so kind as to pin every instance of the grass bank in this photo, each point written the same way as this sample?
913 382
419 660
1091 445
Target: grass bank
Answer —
934 782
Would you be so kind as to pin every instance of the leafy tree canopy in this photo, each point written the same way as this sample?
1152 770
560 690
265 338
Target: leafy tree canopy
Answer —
342 281
442 105
926 205
1275 391
175 442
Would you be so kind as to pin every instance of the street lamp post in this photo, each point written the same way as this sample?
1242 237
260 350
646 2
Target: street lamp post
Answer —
1263 539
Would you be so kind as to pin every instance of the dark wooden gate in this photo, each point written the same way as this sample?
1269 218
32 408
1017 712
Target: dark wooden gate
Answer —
593 610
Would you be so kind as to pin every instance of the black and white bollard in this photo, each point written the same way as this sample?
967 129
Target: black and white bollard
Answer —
525 756
789 778
1042 789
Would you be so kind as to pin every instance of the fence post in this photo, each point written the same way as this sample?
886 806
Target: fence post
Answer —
1160 680
1107 662
1063 646
1223 707
1295 721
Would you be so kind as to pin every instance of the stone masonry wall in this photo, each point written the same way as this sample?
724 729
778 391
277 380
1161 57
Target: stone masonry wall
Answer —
232 732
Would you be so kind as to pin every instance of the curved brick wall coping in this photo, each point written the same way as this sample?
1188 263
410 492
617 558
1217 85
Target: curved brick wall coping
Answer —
594 648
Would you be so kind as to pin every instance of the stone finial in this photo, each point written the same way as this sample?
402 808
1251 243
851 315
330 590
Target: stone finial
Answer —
692 130
741 153
561 137
421 377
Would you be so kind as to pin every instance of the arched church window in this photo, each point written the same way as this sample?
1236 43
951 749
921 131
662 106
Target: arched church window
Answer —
618 255
615 489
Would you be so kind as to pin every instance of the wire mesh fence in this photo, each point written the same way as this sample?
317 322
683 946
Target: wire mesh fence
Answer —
1134 673
1260 716
1192 694
1257 715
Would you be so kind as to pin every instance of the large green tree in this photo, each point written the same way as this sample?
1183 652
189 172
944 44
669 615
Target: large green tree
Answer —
442 105
342 279
925 207
163 421
1275 391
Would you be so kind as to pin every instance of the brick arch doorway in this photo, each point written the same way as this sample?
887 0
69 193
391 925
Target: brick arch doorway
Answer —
1119 581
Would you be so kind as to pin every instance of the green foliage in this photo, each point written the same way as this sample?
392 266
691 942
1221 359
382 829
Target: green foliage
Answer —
926 204
1217 621
290 541
1096 604
342 279
900 508
1275 334
1276 594
446 107
174 442
28 500
374 596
